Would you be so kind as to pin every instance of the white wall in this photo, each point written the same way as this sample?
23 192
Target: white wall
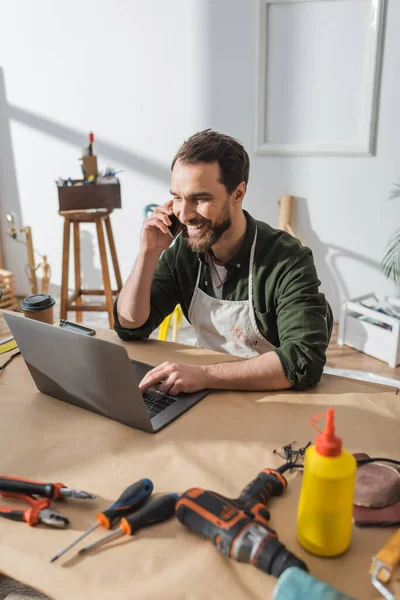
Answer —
343 212
145 75
130 71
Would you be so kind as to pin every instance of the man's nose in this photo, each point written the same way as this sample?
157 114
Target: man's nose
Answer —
187 212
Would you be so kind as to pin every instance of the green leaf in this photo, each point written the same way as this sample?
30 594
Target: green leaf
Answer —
391 261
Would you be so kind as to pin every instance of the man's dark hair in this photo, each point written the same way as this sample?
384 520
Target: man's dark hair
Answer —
211 146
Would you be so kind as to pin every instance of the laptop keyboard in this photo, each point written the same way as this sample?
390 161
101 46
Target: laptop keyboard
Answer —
156 403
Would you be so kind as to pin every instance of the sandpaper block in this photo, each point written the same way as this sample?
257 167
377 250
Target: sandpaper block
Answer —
377 495
376 517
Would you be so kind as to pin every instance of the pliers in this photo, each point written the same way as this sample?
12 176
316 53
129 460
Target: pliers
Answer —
39 513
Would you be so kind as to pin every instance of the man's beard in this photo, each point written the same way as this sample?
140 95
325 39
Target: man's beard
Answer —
206 241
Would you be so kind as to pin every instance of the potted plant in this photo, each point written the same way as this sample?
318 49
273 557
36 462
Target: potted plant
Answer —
391 261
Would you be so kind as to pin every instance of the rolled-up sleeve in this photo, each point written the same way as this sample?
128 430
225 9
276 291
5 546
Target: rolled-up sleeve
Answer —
301 312
163 299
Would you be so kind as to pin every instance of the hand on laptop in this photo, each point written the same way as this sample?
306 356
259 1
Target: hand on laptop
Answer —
174 378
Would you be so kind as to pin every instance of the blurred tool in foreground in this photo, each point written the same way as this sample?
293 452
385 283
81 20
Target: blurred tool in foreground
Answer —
296 584
384 563
157 510
130 498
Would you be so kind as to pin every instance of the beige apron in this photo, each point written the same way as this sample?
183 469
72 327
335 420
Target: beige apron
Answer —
226 325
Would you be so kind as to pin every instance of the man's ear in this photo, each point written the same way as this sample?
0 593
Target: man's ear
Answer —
239 193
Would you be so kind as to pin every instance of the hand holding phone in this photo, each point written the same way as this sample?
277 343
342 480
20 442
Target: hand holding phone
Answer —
175 226
159 228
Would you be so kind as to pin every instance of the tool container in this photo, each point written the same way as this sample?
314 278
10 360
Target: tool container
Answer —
324 520
370 330
88 196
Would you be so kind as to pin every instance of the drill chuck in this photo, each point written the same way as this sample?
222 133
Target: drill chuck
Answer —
274 558
260 547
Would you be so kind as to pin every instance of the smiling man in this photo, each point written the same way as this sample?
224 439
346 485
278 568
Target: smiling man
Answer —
247 289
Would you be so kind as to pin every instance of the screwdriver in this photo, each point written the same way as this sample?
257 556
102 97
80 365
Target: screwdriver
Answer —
48 490
157 510
131 497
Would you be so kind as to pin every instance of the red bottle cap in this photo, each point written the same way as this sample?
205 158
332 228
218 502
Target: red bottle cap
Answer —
91 137
327 443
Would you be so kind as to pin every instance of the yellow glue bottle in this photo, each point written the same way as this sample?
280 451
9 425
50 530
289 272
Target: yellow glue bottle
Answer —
324 519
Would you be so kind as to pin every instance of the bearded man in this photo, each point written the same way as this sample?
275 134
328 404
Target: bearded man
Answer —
247 289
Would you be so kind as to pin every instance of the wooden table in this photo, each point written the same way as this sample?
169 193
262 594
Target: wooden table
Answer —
220 444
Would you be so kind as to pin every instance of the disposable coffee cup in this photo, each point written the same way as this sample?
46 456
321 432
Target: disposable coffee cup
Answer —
39 307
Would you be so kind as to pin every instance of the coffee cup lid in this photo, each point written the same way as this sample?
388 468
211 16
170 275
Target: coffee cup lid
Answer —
37 302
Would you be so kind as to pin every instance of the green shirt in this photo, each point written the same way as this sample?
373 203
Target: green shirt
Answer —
290 311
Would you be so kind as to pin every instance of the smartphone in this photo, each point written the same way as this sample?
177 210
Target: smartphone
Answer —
77 328
175 225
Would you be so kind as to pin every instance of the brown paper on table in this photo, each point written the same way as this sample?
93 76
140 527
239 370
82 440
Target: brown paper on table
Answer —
220 444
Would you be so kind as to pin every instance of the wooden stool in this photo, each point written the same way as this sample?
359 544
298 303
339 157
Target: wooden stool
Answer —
74 302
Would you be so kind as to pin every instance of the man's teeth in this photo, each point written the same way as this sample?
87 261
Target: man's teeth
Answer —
195 226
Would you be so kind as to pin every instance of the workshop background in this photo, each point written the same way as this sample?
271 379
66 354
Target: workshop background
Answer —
144 76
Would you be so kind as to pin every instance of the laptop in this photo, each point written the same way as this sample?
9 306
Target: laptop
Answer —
94 374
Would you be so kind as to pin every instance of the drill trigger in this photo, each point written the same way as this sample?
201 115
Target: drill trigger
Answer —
260 513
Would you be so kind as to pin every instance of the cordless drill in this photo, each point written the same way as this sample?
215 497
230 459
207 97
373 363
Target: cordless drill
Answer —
239 528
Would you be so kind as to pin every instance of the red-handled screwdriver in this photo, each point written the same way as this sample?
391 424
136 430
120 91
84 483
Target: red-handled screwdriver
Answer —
48 490
126 503
157 510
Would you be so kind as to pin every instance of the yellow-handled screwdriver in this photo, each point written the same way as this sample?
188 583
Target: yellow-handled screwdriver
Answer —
157 510
126 503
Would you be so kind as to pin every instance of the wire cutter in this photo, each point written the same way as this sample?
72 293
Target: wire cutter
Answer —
40 511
